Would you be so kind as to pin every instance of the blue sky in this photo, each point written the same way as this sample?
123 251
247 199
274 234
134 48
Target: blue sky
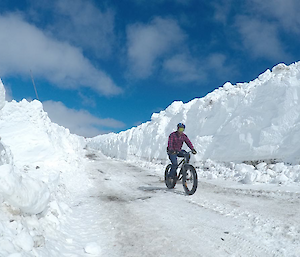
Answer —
105 66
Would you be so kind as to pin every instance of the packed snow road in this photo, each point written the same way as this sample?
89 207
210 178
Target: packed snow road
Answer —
128 211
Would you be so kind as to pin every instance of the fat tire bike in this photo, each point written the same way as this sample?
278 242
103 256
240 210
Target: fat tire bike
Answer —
187 174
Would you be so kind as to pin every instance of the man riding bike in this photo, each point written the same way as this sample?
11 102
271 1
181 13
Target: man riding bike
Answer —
175 143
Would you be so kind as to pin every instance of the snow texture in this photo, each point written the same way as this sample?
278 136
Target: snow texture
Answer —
34 154
56 202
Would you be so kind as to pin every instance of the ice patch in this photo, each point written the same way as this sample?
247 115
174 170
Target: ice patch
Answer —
92 248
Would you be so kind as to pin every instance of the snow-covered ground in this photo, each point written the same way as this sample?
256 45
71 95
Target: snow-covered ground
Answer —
61 196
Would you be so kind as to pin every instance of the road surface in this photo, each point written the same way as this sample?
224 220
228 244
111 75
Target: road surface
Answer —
128 211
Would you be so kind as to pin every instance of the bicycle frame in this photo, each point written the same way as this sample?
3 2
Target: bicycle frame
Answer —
183 161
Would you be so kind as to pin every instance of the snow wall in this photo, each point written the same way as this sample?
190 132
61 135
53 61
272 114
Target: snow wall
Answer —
259 120
34 152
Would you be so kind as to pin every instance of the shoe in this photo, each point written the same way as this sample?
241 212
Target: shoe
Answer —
174 177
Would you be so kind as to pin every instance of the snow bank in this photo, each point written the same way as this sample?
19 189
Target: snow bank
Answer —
37 157
260 172
40 150
251 121
2 95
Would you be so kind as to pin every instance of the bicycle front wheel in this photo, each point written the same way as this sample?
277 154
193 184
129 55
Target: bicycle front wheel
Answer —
189 179
170 183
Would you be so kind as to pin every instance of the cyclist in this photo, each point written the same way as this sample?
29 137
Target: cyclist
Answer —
175 143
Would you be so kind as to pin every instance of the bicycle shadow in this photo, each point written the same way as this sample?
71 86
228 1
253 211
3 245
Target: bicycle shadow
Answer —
153 189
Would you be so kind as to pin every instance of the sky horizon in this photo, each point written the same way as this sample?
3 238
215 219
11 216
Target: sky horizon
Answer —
106 66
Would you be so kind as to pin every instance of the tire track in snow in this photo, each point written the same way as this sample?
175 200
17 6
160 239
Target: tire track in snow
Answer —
274 226
131 213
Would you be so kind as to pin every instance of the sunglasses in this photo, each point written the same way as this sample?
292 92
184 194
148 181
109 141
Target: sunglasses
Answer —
181 129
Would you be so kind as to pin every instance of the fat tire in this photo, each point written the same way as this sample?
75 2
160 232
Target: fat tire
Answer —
187 168
170 183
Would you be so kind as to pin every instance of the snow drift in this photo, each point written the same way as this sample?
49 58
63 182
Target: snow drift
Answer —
29 163
251 121
37 157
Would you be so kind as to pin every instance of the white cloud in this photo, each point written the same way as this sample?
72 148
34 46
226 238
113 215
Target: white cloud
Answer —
188 69
87 100
162 46
222 10
24 47
219 65
80 122
81 23
260 38
216 60
260 24
149 42
286 12
184 68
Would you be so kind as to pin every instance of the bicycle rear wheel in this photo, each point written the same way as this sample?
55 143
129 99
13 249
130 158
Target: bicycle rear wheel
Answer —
189 179
170 183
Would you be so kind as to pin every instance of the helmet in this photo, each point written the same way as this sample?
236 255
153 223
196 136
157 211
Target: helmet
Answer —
180 125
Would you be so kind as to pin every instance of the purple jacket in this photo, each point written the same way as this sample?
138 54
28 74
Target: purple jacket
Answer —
176 141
